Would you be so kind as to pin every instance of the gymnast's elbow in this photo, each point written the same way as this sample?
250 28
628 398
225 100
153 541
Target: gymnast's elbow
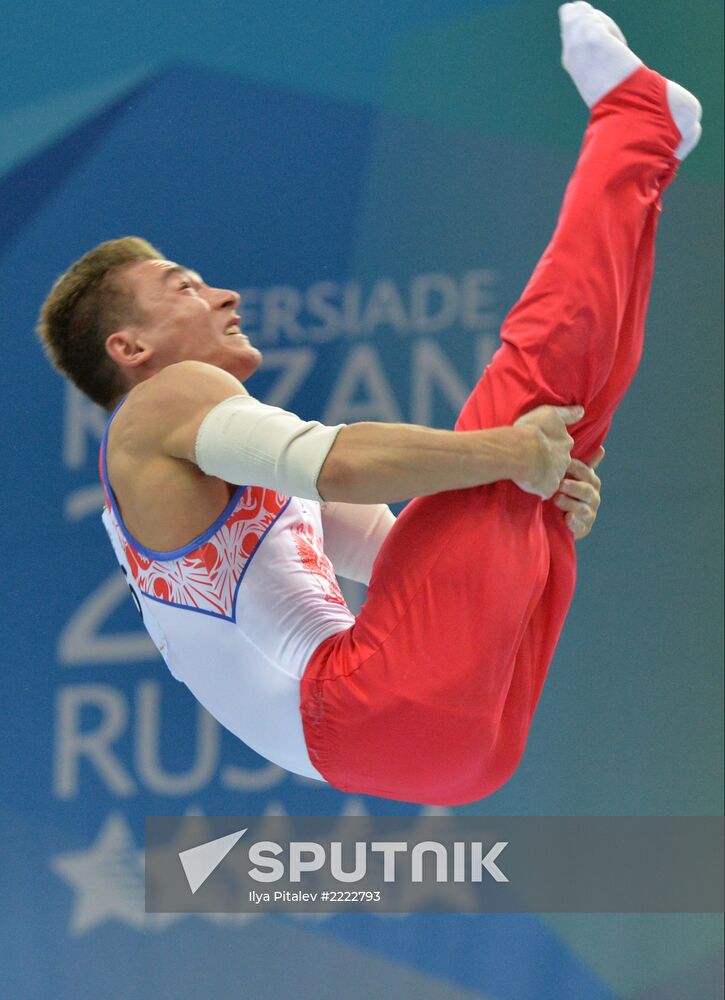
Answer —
336 478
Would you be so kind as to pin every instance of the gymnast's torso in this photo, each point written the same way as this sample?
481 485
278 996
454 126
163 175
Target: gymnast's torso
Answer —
238 611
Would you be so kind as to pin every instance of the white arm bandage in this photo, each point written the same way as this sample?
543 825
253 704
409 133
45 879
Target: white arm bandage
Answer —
247 442
353 534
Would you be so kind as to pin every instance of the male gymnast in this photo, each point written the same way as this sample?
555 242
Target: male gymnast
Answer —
218 506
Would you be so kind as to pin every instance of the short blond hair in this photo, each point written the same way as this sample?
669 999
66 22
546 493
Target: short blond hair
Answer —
87 304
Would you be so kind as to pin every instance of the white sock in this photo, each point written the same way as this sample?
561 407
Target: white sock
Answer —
596 56
594 53
687 112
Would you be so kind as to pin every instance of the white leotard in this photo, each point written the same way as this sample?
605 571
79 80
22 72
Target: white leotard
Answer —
238 612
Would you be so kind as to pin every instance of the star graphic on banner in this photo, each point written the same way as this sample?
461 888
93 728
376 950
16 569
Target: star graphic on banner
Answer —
108 881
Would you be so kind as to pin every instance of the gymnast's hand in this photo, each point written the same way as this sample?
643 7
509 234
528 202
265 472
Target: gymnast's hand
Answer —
547 448
579 495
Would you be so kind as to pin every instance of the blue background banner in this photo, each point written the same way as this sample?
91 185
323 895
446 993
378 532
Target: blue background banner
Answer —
378 182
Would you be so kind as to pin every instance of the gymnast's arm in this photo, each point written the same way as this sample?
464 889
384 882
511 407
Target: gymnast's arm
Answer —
201 414
353 534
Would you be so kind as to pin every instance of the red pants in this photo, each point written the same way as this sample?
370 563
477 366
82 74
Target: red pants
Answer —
429 696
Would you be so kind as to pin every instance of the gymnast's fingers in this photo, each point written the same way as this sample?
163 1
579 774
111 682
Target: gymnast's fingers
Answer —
578 470
580 526
586 493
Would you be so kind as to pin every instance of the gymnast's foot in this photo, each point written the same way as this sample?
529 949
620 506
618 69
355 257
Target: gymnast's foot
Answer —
596 56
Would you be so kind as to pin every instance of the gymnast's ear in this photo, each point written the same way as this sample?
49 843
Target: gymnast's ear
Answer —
128 347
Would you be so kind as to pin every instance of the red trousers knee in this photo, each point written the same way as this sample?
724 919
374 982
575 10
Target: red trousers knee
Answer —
429 696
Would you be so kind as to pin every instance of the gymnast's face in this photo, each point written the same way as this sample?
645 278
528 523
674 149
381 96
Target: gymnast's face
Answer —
184 319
